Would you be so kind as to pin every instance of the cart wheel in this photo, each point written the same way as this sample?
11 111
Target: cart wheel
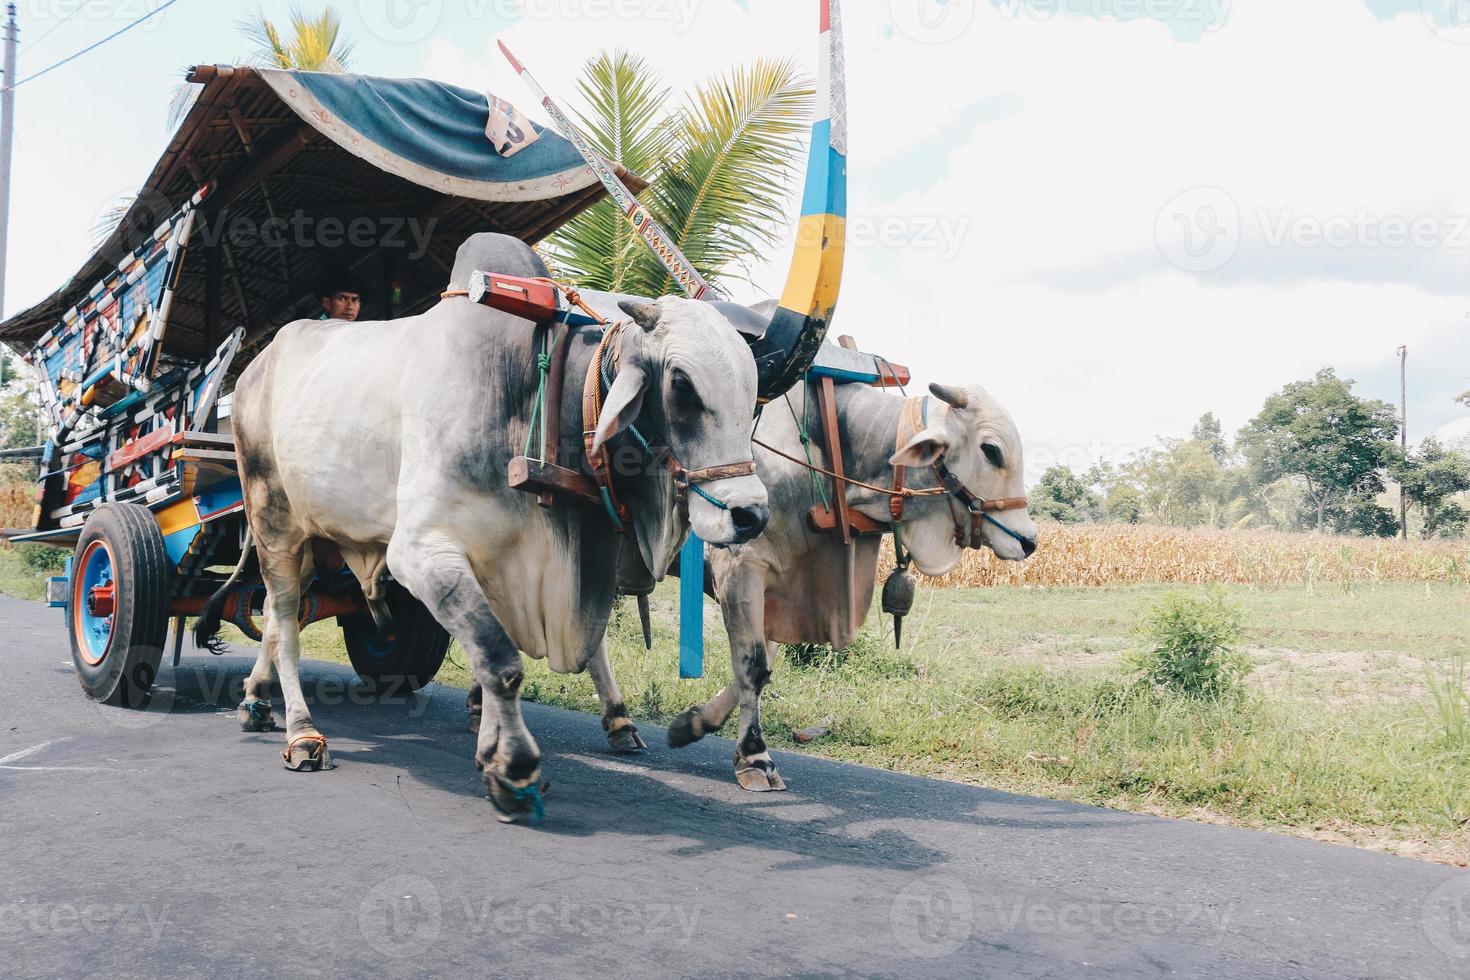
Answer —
118 604
409 657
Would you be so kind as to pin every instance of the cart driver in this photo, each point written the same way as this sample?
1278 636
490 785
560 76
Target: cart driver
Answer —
341 296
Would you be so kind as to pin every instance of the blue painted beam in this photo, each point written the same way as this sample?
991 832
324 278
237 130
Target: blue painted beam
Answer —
691 608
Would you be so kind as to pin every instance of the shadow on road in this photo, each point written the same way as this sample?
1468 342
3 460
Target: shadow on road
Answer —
835 814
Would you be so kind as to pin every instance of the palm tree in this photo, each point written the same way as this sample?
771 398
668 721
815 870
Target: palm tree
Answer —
719 166
316 44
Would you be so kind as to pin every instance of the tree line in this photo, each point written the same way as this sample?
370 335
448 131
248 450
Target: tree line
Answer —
1316 458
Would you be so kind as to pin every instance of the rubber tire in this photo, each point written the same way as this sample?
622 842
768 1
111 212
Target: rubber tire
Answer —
141 574
413 655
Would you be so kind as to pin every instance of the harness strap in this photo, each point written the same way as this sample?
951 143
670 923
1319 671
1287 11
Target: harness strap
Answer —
599 461
979 510
685 480
905 492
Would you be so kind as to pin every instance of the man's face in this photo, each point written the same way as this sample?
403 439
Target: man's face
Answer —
342 305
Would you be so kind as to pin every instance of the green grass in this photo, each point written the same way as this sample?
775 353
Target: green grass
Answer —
1347 729
25 568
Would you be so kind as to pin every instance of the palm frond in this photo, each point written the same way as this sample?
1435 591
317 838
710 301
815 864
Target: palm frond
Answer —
316 43
182 101
112 216
720 168
625 102
724 193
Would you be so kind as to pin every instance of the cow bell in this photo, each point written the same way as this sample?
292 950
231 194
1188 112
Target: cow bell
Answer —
898 599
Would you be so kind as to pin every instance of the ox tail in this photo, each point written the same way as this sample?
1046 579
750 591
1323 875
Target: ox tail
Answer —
206 628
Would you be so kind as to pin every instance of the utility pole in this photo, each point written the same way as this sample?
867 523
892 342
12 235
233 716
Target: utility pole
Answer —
7 139
1403 353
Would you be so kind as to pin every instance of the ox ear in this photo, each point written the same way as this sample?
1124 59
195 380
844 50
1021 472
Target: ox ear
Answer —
645 314
624 402
923 449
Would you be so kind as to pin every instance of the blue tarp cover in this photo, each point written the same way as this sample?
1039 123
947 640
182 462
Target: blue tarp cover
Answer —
430 133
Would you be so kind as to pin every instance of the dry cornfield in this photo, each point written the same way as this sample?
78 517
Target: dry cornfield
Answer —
1122 554
17 501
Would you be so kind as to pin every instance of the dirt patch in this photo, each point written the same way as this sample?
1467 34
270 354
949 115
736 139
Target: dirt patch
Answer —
1363 677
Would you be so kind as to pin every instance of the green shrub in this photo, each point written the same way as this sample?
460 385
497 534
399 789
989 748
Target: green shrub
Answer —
1451 715
869 656
41 558
1191 646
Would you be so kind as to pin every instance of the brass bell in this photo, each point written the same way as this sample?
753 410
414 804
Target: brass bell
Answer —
898 599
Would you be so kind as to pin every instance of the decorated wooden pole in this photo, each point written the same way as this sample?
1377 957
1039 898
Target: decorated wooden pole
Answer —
683 271
793 340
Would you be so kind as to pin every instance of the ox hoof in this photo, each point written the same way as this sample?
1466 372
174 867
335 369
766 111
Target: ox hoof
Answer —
686 729
758 776
307 753
255 716
626 740
517 804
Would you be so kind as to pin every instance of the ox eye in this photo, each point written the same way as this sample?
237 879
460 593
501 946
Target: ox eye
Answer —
994 455
683 389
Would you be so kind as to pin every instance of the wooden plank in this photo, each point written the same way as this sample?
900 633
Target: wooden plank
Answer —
211 440
848 366
200 468
221 457
139 448
534 476
832 442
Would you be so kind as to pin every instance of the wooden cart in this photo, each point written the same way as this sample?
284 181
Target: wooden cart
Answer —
136 354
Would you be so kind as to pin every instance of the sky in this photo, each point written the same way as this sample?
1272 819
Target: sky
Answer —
1115 215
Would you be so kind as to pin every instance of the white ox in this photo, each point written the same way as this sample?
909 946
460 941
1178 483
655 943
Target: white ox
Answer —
392 440
792 584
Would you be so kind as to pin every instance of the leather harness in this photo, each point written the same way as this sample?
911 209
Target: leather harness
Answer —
593 392
976 510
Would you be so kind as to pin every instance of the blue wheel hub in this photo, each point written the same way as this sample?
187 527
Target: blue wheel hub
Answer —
94 604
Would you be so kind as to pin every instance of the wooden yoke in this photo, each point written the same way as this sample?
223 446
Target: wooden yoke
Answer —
561 339
538 300
820 518
546 478
832 445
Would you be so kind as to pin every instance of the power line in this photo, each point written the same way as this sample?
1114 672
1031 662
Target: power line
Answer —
94 46
81 5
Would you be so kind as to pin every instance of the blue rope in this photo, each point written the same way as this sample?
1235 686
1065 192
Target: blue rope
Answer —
700 490
612 512
1019 537
531 794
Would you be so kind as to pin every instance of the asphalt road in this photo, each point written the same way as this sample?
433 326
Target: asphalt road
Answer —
168 843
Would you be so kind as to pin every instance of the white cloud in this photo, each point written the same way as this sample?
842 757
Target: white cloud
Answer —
1044 280
1058 297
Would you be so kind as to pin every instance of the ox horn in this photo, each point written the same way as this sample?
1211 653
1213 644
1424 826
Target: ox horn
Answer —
644 312
954 397
789 345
